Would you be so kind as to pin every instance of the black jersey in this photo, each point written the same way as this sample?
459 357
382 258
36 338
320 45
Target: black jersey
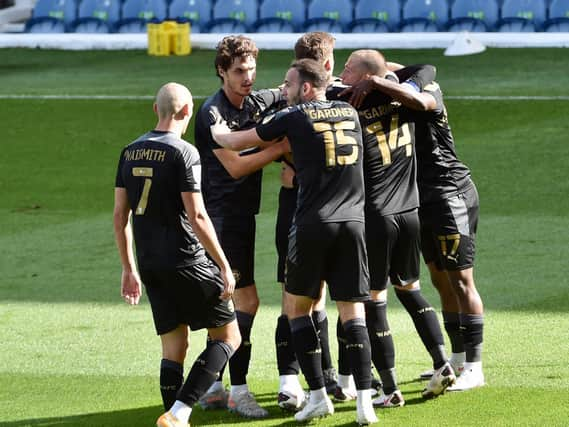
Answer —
390 167
154 170
440 174
224 195
326 142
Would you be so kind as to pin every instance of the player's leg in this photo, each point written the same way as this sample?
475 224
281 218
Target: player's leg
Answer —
173 335
430 247
197 304
381 237
460 269
305 261
347 276
291 396
320 319
237 238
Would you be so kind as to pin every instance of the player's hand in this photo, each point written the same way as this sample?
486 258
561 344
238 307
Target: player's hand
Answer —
219 126
131 288
284 146
358 92
228 284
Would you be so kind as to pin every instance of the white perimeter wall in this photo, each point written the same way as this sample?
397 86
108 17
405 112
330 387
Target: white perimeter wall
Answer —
70 41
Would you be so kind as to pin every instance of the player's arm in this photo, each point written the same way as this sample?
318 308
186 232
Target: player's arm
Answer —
202 226
406 94
131 289
238 166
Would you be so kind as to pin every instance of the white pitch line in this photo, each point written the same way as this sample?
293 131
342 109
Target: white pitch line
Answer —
149 97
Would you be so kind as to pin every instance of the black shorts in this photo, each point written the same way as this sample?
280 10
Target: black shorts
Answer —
334 252
188 296
236 236
393 243
287 207
448 231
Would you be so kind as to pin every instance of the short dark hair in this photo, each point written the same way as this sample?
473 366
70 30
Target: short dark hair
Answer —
311 71
316 45
232 47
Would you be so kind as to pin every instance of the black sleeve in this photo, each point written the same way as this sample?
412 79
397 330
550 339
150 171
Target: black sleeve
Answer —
204 119
420 75
276 125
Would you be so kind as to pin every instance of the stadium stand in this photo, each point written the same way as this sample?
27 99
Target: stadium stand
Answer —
424 15
328 15
233 16
197 12
44 24
280 16
473 15
137 13
51 16
286 16
372 16
522 15
96 16
558 17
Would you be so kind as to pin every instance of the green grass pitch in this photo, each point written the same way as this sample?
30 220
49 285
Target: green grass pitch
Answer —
72 353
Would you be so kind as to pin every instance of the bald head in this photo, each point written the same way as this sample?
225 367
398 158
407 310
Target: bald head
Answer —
171 99
369 61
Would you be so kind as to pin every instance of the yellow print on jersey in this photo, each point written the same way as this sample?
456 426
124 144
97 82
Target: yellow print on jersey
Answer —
145 154
329 113
380 111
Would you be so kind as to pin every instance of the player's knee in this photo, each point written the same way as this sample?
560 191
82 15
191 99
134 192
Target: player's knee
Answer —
380 296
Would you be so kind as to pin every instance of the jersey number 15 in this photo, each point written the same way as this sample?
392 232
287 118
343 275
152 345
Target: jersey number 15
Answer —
333 136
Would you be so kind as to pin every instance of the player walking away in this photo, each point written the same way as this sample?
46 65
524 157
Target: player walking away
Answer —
158 184
327 241
392 224
448 212
320 47
232 192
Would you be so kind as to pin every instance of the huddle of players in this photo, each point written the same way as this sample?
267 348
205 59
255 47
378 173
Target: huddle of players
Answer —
449 209
334 160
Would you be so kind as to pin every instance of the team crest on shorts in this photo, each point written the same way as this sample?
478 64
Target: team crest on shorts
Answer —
230 305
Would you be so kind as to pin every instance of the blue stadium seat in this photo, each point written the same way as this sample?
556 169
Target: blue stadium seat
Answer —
226 26
274 25
515 12
558 17
63 10
473 15
387 12
244 11
424 15
137 13
197 12
96 16
89 25
44 24
281 16
328 15
368 25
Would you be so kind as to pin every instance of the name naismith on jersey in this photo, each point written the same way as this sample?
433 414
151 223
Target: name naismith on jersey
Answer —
145 154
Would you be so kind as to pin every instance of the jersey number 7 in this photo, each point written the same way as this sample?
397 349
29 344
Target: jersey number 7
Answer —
143 202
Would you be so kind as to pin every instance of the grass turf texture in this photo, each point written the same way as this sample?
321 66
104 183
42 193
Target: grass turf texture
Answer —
74 354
